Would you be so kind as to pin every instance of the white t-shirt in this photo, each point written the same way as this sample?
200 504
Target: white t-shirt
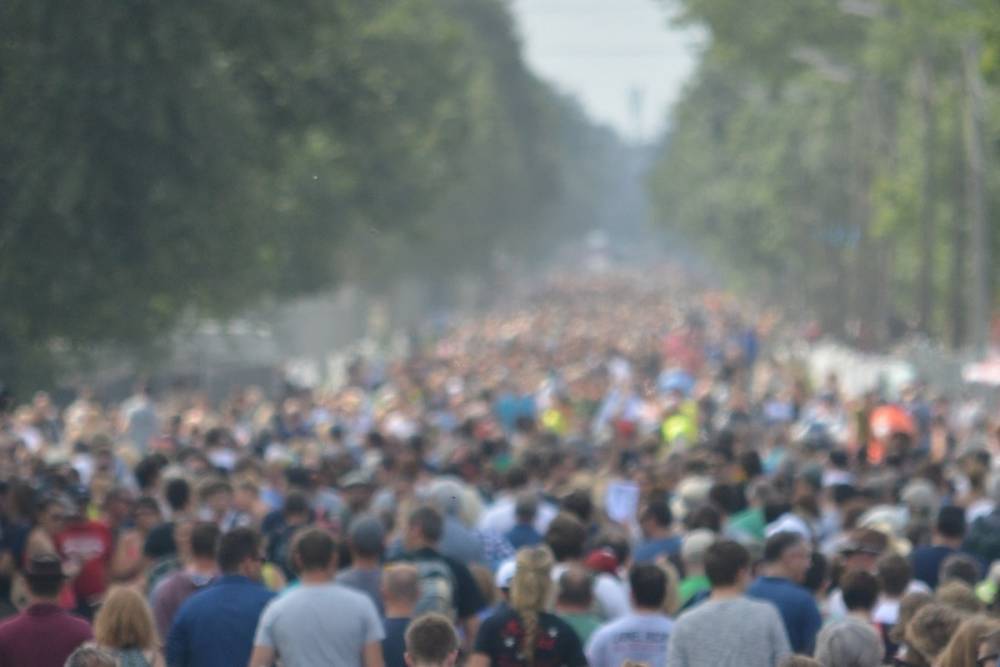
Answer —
639 637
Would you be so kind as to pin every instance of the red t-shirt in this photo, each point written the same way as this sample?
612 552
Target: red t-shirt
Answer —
89 543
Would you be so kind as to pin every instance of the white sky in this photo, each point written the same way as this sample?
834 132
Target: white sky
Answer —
600 50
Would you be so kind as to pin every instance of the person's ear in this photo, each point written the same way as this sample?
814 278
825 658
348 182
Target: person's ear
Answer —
452 659
408 659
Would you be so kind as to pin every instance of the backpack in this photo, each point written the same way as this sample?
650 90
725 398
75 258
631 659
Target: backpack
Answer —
983 539
437 587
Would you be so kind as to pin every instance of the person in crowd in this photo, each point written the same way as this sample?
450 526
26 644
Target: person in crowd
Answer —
202 570
695 584
989 650
787 558
566 538
860 591
523 534
431 642
641 635
446 585
320 622
575 602
799 661
949 531
216 626
931 628
44 634
124 628
960 567
295 515
658 538
526 634
959 595
400 590
728 629
963 648
91 656
366 543
849 642
894 574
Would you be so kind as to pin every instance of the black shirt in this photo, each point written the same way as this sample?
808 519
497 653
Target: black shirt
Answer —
394 644
467 598
556 644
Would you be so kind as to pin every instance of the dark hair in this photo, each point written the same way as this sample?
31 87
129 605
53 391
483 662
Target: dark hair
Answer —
579 504
779 543
951 522
960 567
313 549
894 574
566 537
178 493
816 575
431 639
205 540
724 560
576 587
44 587
526 508
516 478
617 540
704 516
296 504
649 585
860 590
147 503
658 511
429 521
235 547
147 471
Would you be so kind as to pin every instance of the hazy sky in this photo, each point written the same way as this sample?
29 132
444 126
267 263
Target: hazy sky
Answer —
600 50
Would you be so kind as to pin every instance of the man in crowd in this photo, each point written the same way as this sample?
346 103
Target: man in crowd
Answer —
949 531
575 602
787 557
728 629
400 590
43 635
656 521
201 571
642 634
431 642
319 622
216 627
366 542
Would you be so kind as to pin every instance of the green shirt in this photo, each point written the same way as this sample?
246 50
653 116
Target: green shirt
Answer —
690 586
584 624
749 522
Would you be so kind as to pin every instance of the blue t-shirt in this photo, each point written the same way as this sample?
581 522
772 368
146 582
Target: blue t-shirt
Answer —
650 550
797 607
927 563
394 644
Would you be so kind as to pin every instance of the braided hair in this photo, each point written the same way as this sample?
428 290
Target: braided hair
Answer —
529 593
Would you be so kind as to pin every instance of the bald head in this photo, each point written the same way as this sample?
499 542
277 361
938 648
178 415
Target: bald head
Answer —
400 589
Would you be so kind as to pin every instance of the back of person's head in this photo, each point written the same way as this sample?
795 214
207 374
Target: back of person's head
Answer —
147 472
205 540
860 590
530 591
296 504
818 575
485 582
566 537
91 656
366 537
516 477
779 543
616 540
908 608
401 583
963 649
649 585
694 546
428 522
931 628
849 643
235 547
576 588
960 567
431 642
704 517
658 512
951 522
725 561
959 595
314 549
579 504
178 494
894 574
125 621
526 507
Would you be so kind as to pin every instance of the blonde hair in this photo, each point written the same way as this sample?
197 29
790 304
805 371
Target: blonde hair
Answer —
963 649
530 592
125 621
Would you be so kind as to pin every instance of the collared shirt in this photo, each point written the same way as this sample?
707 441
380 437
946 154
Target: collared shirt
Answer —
215 627
43 635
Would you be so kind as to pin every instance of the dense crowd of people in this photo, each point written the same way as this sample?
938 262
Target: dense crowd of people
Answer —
616 470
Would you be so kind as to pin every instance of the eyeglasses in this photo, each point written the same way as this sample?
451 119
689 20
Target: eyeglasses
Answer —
987 659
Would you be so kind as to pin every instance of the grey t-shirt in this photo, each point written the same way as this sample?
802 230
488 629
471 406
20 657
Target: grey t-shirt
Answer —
364 581
738 632
639 637
327 624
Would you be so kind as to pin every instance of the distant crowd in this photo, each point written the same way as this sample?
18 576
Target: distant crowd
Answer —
622 469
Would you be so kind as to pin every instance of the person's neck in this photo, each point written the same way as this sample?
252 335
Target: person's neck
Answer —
645 611
861 614
950 542
776 572
726 592
398 610
205 566
316 577
659 534
692 571
37 600
364 563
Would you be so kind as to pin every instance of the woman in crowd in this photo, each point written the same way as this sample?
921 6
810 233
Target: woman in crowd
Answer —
124 627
